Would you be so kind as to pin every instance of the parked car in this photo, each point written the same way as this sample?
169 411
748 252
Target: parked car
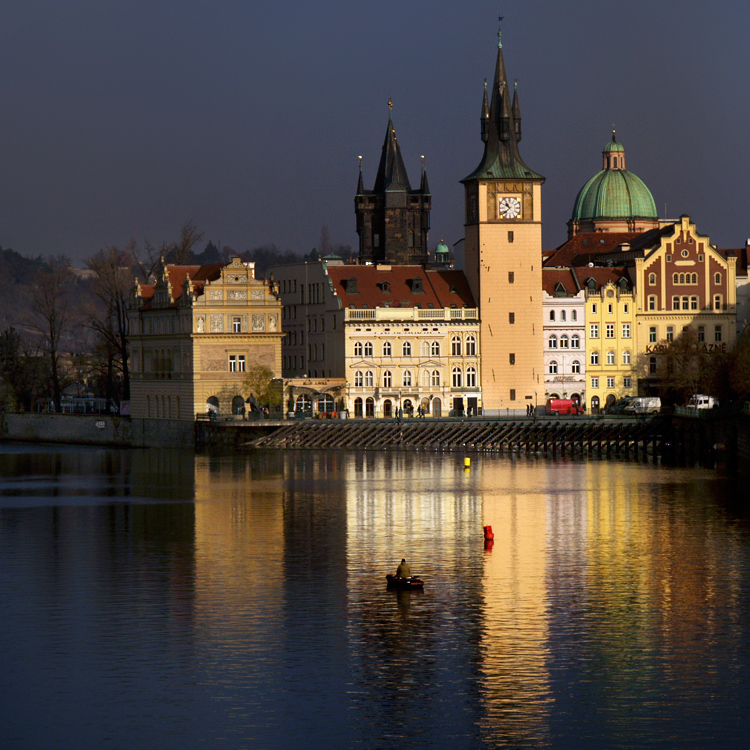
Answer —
699 401
644 405
557 406
621 405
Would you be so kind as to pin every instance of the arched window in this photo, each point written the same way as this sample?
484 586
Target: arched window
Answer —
368 349
456 346
425 378
573 315
369 378
610 358
652 278
370 407
456 377
594 358
387 408
425 349
435 379
695 278
359 379
717 278
406 380
387 349
553 367
562 314
406 349
471 377
471 346
626 357
357 407
387 379
575 342
435 349
575 367
358 349
551 314
563 342
553 342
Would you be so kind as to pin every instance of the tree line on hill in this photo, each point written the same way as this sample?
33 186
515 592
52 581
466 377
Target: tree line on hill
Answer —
64 331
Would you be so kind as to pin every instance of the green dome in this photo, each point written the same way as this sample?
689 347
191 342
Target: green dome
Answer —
613 145
442 249
614 194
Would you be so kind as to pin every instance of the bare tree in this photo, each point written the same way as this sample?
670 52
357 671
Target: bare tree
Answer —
112 284
52 316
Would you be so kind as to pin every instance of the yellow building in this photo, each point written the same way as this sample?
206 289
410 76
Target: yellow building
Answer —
503 255
195 333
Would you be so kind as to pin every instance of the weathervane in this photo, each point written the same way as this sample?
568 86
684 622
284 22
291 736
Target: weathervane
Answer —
390 103
500 32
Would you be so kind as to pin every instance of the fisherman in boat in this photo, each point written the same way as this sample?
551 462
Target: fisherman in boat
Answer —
403 571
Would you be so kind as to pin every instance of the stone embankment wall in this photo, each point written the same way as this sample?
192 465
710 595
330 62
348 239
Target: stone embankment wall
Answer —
92 429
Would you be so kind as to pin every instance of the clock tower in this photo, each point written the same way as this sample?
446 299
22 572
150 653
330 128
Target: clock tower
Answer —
503 255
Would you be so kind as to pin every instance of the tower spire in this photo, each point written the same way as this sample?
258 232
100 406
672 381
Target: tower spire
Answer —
485 118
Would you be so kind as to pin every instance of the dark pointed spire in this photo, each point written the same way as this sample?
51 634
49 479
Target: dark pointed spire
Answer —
516 112
423 186
360 183
485 119
391 170
501 158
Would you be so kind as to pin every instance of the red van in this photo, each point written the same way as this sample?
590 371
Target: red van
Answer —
557 406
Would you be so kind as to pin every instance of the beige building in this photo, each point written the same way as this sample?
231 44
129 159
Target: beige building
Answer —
503 256
195 333
373 340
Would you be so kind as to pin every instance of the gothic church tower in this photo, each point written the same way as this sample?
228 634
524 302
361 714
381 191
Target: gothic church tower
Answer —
503 255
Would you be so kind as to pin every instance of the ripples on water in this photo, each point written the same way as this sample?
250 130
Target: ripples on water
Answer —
158 599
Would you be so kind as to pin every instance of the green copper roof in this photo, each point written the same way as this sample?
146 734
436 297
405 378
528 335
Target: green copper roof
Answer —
442 248
614 146
614 194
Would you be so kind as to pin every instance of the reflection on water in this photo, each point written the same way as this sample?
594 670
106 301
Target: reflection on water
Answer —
161 599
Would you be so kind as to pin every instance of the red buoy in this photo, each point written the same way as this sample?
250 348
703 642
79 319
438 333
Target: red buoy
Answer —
488 533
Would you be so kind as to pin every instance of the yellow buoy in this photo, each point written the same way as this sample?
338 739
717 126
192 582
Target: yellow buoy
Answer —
467 463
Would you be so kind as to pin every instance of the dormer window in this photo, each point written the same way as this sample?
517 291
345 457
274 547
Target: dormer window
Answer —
385 286
452 289
416 285
351 286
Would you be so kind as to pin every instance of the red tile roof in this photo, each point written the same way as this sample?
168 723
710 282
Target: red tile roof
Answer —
199 275
394 287
551 277
586 243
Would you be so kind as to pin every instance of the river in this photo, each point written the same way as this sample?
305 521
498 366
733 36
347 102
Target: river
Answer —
163 599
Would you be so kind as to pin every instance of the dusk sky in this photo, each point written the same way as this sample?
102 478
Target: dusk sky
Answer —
125 119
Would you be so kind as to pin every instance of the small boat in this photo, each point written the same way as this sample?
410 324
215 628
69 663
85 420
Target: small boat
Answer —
397 582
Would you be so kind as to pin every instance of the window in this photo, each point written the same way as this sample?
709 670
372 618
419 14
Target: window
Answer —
425 349
511 318
511 277
368 349
670 333
471 377
693 303
512 358
369 379
435 378
652 366
610 382
652 335
456 378
471 346
236 363
626 357
553 367
610 358
387 349
510 239
594 358
553 342
675 303
686 303
435 349
551 314
575 342
358 349
676 279
387 379
701 333
512 394
610 330
564 341
236 324
717 278
406 380
627 382
626 308
594 382
575 367
593 308
717 333
626 330
652 303
456 346
594 331
574 315
359 379
717 302
406 349
652 279
425 378
610 309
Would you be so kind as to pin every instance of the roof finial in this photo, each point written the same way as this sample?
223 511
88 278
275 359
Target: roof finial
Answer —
390 103
422 163
500 32
613 132
360 162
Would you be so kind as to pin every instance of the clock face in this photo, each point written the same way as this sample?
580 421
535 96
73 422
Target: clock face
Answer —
509 208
